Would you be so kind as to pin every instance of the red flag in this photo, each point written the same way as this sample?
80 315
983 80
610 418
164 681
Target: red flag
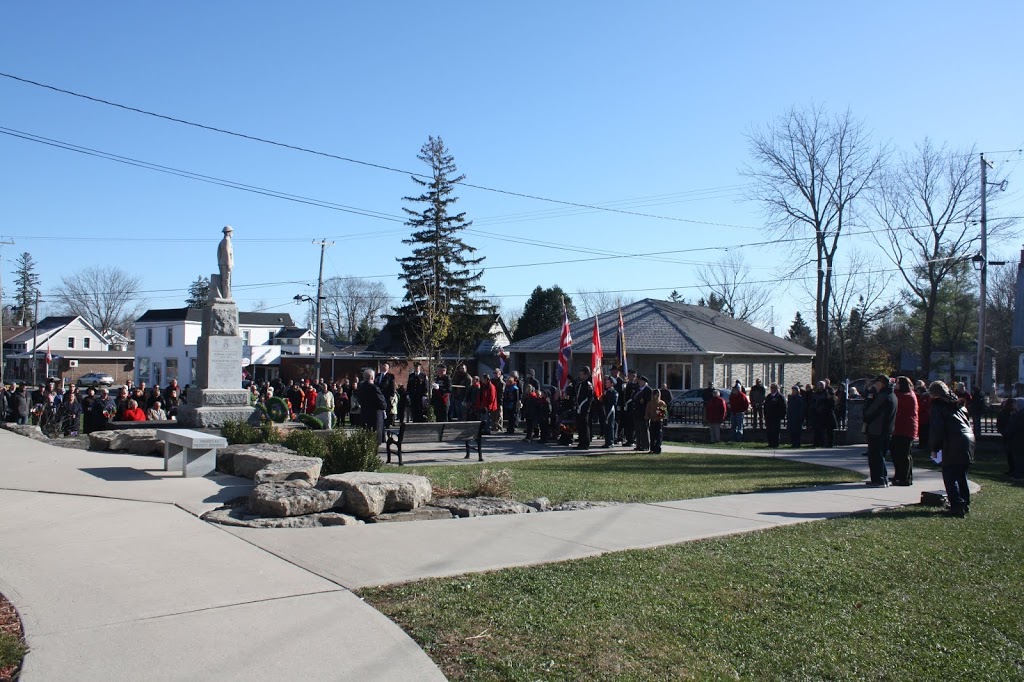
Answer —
596 358
620 345
564 352
49 358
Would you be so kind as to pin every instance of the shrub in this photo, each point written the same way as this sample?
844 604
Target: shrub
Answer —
492 484
240 432
311 422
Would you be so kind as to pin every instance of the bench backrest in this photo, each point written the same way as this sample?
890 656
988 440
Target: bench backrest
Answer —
438 432
191 439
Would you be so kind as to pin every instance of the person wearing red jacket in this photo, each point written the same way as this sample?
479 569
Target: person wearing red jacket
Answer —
904 432
714 413
486 403
739 403
133 413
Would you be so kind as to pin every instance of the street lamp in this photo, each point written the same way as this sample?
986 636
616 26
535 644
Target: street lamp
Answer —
302 298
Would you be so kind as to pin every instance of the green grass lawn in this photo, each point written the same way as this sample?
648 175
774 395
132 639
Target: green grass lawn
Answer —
899 595
640 478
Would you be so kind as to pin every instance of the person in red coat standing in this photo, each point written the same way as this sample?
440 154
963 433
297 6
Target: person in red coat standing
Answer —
487 404
714 412
739 403
904 432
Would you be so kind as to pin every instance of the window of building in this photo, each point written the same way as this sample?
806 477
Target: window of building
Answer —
71 342
678 375
86 342
171 365
149 337
143 369
170 337
548 373
246 336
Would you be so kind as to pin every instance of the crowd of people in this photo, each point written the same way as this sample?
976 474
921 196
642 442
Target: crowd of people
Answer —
69 411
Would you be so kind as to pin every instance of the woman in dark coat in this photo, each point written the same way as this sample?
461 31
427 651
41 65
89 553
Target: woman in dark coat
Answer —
951 433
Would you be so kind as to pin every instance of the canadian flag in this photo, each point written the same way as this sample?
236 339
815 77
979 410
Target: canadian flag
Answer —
596 359
49 358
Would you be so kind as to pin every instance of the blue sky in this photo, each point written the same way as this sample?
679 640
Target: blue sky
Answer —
646 104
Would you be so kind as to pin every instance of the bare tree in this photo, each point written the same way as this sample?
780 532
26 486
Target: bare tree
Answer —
859 301
729 281
593 303
107 297
351 301
808 172
927 203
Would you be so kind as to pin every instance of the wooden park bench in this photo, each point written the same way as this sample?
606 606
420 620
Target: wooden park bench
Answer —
435 432
194 452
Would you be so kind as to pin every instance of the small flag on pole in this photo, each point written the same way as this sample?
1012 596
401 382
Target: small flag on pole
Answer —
502 359
620 345
596 359
564 352
49 358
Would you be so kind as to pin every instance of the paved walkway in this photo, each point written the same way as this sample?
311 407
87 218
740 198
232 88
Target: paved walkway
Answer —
116 578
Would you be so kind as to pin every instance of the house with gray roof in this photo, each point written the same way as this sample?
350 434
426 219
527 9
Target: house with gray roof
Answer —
684 346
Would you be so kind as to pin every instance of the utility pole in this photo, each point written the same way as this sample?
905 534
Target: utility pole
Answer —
35 336
3 364
319 301
982 373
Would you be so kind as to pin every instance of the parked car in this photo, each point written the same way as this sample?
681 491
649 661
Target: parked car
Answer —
696 395
94 379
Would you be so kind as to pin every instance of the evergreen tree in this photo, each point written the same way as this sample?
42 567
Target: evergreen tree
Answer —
365 334
713 301
543 312
800 333
26 288
442 291
198 292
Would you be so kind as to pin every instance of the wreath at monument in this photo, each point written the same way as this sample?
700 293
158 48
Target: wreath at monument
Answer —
277 408
311 422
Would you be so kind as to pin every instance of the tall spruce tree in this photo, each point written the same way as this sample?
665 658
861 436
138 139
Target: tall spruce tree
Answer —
443 293
26 288
800 333
543 312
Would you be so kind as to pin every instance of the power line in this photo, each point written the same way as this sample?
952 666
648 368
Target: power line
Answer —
369 164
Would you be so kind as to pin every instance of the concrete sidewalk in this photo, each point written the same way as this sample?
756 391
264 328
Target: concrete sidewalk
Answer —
116 578
138 588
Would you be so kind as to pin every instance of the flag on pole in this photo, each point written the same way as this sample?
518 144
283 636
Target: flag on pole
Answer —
596 359
620 345
564 352
502 359
49 358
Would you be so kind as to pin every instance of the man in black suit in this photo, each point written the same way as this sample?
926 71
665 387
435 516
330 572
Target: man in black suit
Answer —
386 382
372 404
418 388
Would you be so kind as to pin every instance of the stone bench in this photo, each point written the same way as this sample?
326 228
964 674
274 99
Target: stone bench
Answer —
435 432
194 452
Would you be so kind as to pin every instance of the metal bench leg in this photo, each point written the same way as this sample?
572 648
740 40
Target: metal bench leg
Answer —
479 449
389 452
467 450
399 453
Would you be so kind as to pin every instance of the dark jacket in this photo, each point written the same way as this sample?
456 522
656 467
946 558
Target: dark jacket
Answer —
796 410
774 407
371 399
950 430
880 415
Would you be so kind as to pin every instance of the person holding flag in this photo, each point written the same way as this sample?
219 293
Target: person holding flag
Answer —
564 353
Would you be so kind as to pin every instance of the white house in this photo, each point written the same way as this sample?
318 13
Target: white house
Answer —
166 339
75 347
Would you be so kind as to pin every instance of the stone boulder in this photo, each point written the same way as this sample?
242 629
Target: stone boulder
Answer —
465 507
293 469
100 440
246 460
369 493
26 430
240 516
577 505
136 441
292 498
541 504
428 513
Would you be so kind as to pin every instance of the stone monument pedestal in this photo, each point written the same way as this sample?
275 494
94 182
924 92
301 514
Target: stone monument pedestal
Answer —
217 395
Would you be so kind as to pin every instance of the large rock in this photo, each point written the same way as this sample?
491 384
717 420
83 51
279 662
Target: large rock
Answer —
577 505
292 498
370 493
541 504
100 440
428 513
465 507
136 441
26 430
240 516
248 459
293 469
